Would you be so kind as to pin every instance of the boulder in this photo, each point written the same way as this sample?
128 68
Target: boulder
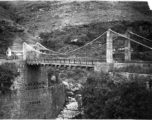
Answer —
77 87
71 99
53 78
71 94
66 84
78 98
72 106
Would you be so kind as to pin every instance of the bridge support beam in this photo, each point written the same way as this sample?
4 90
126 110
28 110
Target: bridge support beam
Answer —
24 51
127 47
109 48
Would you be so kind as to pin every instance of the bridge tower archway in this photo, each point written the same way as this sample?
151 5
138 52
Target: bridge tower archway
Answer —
109 46
30 53
128 45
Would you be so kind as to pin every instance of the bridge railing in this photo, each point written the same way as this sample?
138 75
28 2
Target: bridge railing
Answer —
68 61
74 61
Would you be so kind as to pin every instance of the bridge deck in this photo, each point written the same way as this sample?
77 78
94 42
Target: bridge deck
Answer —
9 61
66 62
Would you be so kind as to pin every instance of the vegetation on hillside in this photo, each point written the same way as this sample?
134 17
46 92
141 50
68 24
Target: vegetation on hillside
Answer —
134 69
108 98
82 35
59 24
7 74
76 36
10 31
5 34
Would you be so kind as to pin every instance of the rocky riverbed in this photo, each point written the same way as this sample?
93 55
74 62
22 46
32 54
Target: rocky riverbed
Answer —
72 107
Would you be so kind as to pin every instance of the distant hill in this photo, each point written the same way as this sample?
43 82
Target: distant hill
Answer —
47 16
57 22
11 33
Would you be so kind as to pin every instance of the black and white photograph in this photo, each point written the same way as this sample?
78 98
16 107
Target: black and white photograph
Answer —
76 59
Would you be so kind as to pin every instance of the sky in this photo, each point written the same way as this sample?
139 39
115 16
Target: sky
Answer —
150 3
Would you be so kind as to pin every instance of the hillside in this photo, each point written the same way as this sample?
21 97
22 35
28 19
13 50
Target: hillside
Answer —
11 33
48 16
57 23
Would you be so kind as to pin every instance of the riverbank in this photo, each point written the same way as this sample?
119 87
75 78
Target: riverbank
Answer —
72 107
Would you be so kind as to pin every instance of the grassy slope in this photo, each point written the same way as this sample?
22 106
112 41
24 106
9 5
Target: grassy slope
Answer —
47 16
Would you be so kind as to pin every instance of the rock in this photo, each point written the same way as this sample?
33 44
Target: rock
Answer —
67 87
41 10
75 90
70 94
68 114
75 40
70 111
80 86
72 106
78 98
77 87
71 99
53 78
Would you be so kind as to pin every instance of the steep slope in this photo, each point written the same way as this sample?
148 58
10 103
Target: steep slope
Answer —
47 16
11 33
57 23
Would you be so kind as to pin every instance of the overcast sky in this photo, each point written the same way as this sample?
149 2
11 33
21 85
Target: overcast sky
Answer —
150 3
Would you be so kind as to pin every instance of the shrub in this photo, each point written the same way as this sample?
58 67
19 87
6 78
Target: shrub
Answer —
6 5
51 73
103 98
7 74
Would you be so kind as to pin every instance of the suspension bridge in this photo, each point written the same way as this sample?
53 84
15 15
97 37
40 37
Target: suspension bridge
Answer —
109 47
110 50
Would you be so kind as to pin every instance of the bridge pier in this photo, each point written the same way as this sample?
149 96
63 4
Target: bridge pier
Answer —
66 67
73 67
53 66
109 48
78 67
61 66
89 68
83 67
127 46
35 94
49 65
58 66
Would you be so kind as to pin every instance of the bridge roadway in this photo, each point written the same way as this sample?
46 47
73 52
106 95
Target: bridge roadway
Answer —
65 62
9 61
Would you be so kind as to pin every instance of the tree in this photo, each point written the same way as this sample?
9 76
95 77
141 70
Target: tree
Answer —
103 98
7 74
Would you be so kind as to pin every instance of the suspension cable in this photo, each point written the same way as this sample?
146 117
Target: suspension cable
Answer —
87 43
48 49
37 50
140 36
90 50
103 44
71 50
131 39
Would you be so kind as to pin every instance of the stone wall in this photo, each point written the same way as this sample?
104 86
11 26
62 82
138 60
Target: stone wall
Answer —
104 67
31 97
143 68
129 76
